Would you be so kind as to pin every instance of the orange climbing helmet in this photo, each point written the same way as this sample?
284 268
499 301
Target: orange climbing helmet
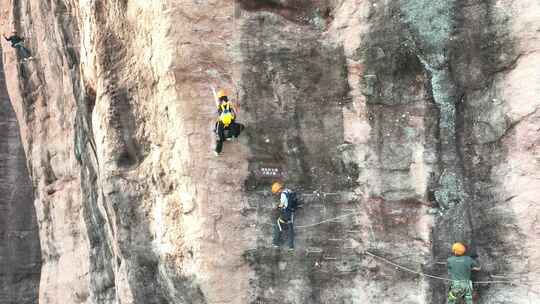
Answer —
458 249
276 187
221 93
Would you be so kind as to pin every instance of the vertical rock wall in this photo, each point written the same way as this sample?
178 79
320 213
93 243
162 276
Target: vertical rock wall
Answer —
44 94
405 125
293 85
20 252
500 111
455 57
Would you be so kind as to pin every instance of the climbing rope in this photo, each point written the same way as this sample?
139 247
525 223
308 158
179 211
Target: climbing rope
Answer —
234 17
322 222
446 279
406 268
511 282
236 94
327 220
421 273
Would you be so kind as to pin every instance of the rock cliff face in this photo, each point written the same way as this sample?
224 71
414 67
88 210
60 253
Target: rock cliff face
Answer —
405 125
20 254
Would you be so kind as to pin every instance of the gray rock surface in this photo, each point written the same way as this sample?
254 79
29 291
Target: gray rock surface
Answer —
20 252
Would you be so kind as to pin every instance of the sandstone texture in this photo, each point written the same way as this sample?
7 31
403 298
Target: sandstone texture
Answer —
20 253
405 126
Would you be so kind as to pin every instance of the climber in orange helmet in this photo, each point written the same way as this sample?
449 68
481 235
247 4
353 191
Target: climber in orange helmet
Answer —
226 126
459 269
288 203
17 43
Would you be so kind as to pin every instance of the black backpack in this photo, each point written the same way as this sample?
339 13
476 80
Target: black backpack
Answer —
292 200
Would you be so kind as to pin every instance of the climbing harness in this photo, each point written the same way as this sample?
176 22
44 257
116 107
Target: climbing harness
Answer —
441 278
225 107
281 221
460 290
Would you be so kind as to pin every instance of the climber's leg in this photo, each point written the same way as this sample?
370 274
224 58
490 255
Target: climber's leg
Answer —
456 292
469 294
276 233
451 298
220 131
23 52
290 234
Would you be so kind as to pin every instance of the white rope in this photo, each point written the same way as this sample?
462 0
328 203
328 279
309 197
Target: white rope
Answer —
408 269
327 220
233 17
438 277
322 222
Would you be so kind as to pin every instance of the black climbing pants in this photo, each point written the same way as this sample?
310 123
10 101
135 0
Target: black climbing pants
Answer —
222 133
22 50
278 229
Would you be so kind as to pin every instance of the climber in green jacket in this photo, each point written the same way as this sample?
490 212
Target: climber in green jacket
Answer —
459 270
17 43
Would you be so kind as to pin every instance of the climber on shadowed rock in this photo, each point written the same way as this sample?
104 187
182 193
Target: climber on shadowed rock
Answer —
459 269
288 203
17 43
226 127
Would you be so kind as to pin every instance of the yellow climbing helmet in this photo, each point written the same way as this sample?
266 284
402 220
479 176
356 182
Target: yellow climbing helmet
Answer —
221 93
458 249
276 187
226 118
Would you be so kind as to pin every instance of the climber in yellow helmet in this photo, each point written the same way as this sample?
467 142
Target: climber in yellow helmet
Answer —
226 127
459 270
